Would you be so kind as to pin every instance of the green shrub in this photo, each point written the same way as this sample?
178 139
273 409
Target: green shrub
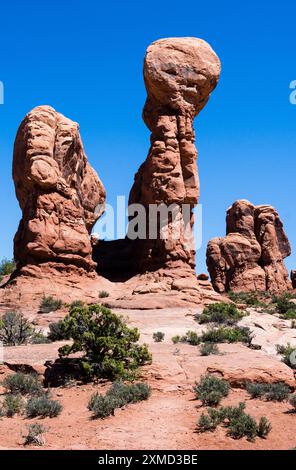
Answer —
43 406
77 303
15 329
117 396
223 415
205 423
110 347
253 299
140 391
239 423
57 331
158 336
222 334
24 384
243 426
283 303
271 392
101 406
206 349
129 393
119 393
103 294
290 314
220 313
277 392
7 267
263 428
210 390
288 354
191 337
35 435
39 338
227 335
12 405
256 390
292 401
50 304
176 339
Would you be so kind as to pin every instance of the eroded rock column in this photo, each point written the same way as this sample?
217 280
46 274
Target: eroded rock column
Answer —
58 193
179 75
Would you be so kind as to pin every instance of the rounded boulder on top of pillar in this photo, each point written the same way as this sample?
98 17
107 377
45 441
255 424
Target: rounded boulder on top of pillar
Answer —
179 74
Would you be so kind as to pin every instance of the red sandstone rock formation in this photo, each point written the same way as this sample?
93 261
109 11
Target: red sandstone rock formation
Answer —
58 193
180 74
251 255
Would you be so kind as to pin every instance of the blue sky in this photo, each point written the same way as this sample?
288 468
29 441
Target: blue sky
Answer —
85 59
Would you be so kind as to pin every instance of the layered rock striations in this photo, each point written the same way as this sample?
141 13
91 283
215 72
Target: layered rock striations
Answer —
251 255
58 193
179 74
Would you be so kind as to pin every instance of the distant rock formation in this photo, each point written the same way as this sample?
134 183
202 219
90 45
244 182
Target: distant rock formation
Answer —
58 193
251 255
179 74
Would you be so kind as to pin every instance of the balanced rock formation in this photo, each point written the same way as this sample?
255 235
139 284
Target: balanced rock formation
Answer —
58 193
179 74
251 255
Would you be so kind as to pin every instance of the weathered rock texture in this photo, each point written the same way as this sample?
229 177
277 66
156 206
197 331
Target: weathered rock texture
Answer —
251 255
58 193
179 75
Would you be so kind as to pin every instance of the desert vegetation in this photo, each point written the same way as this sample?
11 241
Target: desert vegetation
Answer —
220 334
206 349
110 347
11 405
292 401
210 390
103 294
270 392
250 299
282 304
43 406
7 267
238 423
35 434
158 336
50 304
24 393
288 354
220 312
16 330
23 384
57 331
119 395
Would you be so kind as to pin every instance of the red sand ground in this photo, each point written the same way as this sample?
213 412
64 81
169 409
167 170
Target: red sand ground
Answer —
168 419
